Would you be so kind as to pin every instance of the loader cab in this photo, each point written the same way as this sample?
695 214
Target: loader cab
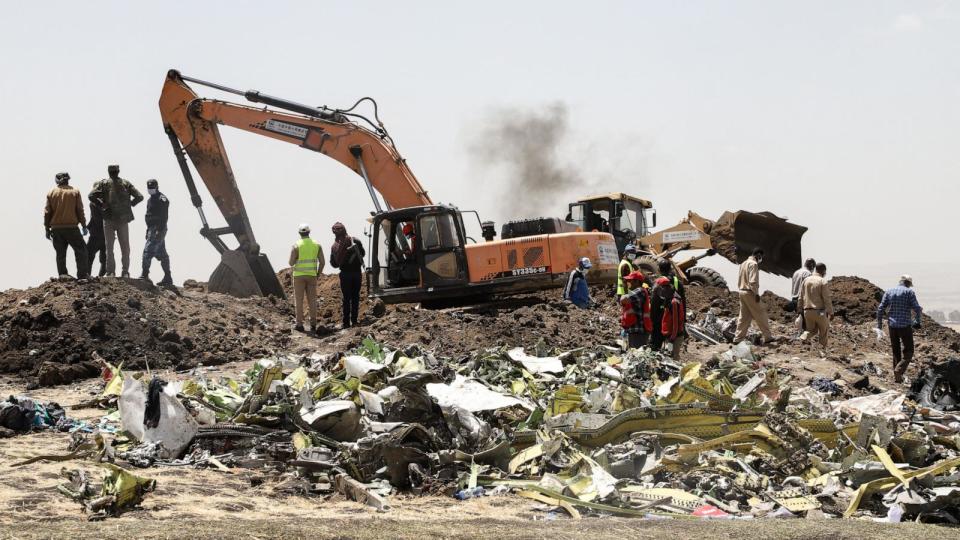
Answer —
626 218
417 250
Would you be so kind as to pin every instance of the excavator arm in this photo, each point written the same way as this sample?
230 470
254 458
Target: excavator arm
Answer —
192 123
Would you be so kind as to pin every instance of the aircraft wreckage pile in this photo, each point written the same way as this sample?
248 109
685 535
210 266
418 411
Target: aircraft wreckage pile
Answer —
590 431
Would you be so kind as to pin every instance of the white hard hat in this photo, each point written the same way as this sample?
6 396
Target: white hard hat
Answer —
304 228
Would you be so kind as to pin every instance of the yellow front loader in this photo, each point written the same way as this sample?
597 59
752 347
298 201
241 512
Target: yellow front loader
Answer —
733 236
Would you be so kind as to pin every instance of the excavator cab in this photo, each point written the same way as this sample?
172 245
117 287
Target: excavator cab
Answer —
619 214
417 251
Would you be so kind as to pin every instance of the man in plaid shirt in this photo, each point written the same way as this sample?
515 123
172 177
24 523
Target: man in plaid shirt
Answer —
902 319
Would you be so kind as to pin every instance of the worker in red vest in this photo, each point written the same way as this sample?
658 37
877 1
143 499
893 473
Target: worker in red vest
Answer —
635 311
673 326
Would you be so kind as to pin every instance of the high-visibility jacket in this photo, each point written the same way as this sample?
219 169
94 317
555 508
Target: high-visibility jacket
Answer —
635 311
674 319
622 271
307 258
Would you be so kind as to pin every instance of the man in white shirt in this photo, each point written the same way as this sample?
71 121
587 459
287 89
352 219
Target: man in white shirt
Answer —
796 287
797 282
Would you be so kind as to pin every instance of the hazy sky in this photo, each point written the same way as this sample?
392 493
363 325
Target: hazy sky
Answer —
842 116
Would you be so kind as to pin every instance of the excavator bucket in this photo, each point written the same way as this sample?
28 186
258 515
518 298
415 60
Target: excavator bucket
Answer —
736 234
241 275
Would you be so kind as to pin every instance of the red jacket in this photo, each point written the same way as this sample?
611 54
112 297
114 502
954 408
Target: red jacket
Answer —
674 319
635 306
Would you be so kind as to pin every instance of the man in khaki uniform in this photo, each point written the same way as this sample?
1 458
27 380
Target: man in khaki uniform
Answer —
816 304
116 197
751 310
61 215
306 259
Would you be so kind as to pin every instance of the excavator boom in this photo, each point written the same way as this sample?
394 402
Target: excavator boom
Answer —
192 122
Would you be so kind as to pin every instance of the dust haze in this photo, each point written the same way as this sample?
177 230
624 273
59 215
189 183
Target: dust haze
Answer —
527 146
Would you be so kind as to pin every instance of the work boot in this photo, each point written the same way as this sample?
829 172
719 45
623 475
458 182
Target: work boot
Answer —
900 370
125 274
144 277
298 328
165 265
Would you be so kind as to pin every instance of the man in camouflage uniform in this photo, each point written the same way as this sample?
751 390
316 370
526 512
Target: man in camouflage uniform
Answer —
116 197
156 217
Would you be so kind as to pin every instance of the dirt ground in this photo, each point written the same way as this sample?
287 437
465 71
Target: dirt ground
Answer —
204 503
58 325
427 525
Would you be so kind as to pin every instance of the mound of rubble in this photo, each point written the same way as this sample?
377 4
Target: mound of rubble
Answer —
55 332
587 432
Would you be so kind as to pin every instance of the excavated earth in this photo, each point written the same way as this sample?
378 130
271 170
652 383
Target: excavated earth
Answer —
54 333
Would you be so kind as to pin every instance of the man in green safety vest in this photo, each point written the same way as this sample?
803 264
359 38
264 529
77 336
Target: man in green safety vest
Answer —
306 259
625 269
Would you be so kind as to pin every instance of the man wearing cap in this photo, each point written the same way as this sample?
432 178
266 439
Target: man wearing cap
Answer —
658 304
576 290
635 310
61 215
903 318
673 315
816 305
306 259
96 247
796 285
625 268
158 207
116 198
751 309
347 254
796 282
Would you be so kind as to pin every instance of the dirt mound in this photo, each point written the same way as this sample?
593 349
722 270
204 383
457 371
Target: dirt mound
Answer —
521 321
52 331
855 299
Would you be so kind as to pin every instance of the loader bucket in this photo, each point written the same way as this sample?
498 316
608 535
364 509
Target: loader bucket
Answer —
243 275
736 234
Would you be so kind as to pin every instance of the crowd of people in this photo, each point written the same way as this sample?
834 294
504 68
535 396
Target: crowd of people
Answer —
111 210
655 316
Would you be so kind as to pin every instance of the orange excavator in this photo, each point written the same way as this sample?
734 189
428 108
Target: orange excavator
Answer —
420 250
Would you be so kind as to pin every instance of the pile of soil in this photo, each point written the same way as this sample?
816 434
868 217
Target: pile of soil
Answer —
520 321
53 332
